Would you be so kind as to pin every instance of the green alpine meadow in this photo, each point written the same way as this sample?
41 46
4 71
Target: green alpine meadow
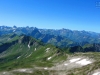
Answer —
25 55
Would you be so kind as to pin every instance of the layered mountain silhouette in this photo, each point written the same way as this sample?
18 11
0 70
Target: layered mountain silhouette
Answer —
61 38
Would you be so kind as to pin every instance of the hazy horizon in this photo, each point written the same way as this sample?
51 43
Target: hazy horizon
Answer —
52 28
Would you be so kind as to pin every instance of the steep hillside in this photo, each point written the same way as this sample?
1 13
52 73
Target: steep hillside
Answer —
24 55
26 51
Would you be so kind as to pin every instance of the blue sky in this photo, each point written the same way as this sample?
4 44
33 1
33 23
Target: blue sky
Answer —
51 14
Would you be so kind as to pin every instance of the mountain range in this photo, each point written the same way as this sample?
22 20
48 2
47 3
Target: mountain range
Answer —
61 37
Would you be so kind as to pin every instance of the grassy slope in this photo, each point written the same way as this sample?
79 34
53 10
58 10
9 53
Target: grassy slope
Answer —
28 56
39 58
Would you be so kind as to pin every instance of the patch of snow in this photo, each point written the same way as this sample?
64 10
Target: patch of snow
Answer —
49 58
65 64
35 49
97 73
84 62
4 72
28 46
39 31
74 60
45 68
14 30
24 70
47 50
29 55
18 57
